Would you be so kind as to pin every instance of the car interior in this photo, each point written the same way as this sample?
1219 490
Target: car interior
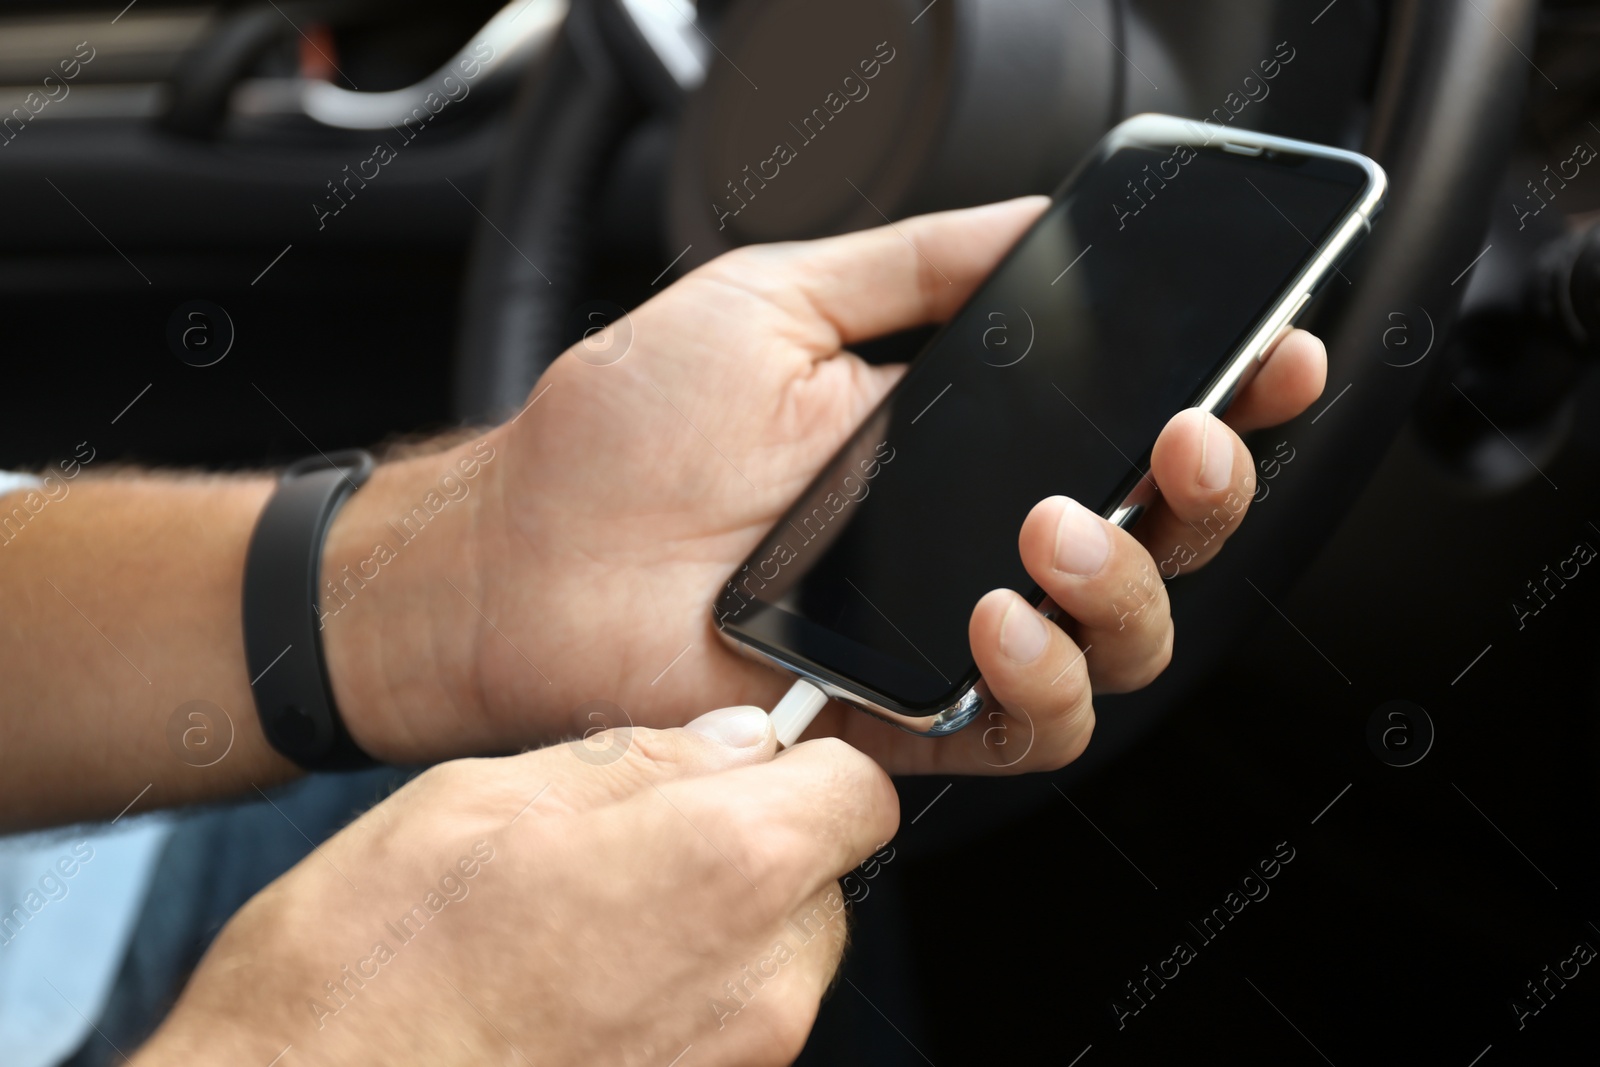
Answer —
389 217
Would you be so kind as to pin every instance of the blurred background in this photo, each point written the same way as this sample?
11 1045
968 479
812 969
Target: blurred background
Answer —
388 217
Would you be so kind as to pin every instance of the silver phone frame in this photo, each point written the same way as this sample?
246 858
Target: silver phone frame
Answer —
1153 130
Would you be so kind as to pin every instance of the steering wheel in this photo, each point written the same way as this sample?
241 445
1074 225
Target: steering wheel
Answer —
995 100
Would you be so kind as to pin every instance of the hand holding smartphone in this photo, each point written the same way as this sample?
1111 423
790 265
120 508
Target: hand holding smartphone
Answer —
1166 266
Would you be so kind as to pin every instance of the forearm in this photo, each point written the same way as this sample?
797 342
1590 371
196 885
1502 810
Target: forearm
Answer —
121 604
121 601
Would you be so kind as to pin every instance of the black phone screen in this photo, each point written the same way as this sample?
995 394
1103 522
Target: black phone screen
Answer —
1114 312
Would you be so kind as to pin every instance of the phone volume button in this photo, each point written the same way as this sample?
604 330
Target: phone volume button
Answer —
1294 315
1288 324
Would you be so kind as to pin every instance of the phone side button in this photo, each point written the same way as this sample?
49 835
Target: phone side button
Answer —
1127 515
1294 316
1288 324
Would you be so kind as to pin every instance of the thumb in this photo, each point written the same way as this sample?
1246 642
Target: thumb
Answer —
612 764
919 270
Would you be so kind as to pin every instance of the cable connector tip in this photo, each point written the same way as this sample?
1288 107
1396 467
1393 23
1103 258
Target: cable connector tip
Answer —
796 710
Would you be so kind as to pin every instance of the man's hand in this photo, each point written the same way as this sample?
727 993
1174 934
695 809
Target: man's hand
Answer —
558 907
483 596
625 494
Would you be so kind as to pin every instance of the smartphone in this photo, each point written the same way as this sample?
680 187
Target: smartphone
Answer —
1165 268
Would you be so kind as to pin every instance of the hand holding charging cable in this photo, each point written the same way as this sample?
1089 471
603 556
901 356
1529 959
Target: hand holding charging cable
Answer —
682 822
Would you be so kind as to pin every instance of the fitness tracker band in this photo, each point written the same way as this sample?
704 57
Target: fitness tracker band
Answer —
282 635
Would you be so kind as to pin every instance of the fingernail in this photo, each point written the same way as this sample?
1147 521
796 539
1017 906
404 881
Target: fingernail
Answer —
1022 632
742 727
1216 454
1081 542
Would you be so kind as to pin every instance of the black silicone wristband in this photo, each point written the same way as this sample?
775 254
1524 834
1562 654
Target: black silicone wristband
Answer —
282 632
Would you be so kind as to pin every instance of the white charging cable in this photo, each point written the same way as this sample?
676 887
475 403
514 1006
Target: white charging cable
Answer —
795 711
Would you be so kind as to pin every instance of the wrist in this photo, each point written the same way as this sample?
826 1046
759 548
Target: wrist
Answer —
399 577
